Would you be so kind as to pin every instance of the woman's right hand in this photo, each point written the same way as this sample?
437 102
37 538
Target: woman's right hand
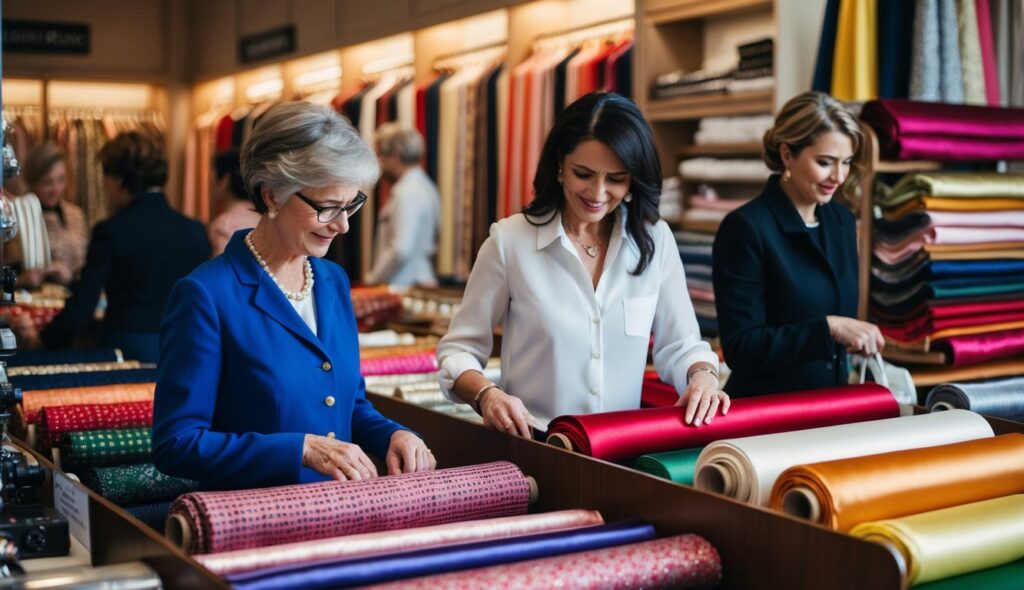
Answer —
505 413
860 337
338 459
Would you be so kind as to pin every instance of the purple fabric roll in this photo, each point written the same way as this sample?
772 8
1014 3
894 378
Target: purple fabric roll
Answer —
912 130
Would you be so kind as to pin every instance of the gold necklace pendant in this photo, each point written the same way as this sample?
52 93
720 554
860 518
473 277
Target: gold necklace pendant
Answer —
590 250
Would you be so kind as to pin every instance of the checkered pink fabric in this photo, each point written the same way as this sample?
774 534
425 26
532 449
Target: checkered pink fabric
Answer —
424 362
56 421
226 521
686 561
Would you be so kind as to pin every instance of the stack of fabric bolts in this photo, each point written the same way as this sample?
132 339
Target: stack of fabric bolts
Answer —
97 424
947 283
465 527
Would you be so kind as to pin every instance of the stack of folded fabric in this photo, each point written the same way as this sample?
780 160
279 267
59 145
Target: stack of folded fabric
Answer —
947 285
754 72
729 130
375 305
911 130
695 250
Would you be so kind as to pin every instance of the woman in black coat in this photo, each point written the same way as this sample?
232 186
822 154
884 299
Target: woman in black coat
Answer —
785 264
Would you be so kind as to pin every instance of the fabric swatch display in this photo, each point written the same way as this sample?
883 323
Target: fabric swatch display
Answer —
223 521
409 363
953 541
677 466
439 560
1002 398
106 447
625 435
34 401
844 493
366 545
685 561
56 421
32 236
140 483
745 469
911 130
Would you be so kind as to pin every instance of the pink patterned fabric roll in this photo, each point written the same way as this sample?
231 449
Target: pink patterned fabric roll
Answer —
424 362
389 542
686 561
227 521
56 421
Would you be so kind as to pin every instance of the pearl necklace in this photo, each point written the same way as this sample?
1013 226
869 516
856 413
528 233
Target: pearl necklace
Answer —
307 286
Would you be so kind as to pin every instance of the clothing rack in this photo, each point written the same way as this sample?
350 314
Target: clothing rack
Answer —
471 56
398 64
575 36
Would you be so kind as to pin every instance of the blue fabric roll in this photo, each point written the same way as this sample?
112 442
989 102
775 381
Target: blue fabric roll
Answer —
361 572
153 515
32 358
35 382
826 48
960 268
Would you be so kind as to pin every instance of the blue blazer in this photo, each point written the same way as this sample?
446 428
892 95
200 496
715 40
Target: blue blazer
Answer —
242 379
774 285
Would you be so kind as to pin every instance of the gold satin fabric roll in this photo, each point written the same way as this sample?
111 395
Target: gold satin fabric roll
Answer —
397 350
382 543
848 492
953 541
33 401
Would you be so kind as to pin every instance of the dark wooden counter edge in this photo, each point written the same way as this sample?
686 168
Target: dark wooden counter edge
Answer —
759 548
118 537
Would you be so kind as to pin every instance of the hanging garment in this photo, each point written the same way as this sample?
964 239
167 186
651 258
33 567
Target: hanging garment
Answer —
895 48
988 52
971 67
855 66
33 239
826 48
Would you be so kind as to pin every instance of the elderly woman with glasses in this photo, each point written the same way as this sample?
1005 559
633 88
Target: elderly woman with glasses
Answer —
259 380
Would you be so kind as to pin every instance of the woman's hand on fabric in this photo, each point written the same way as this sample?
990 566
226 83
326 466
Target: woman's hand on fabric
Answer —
408 453
338 459
506 413
857 336
703 399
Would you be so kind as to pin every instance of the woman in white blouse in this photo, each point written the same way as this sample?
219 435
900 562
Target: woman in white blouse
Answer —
579 280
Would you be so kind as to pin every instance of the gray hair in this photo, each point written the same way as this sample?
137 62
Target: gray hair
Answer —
301 144
403 142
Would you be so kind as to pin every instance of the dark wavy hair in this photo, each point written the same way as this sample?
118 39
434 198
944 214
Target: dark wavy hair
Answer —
616 122
136 159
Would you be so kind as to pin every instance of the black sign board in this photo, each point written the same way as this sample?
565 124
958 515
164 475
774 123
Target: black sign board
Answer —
30 36
267 44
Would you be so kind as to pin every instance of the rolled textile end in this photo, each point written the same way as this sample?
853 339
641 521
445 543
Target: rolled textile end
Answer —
561 441
801 502
178 531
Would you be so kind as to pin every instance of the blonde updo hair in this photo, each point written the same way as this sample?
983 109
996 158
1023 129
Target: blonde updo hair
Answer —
799 123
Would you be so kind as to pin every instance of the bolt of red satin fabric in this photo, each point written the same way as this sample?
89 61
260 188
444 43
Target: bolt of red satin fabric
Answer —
625 435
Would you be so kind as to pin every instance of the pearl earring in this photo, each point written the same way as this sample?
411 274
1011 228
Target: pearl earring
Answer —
559 176
273 213
628 198
787 175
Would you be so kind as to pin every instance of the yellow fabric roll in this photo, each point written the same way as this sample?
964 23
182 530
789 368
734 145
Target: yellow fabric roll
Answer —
953 541
975 185
854 63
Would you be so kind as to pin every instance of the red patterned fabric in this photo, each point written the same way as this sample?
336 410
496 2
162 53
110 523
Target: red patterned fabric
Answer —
685 561
226 521
56 421
424 362
34 401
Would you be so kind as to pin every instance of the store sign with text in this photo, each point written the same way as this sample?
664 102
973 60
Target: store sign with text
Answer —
267 44
31 36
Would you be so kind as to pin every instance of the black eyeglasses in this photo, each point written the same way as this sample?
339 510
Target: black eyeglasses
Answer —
329 214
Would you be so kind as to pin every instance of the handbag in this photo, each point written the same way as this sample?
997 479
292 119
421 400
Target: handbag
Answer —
897 379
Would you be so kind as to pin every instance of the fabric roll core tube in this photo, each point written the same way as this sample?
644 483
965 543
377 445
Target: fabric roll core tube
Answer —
561 441
943 406
720 478
179 531
802 503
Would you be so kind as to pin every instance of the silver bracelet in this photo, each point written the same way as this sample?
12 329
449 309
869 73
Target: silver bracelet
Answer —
705 369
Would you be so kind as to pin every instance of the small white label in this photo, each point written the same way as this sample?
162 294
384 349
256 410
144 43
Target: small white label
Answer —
72 502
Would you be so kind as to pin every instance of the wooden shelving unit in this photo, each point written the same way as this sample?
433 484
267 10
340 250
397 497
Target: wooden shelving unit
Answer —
664 11
709 105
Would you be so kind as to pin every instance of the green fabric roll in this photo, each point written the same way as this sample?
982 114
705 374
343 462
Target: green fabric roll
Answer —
135 484
944 292
106 447
1006 577
678 466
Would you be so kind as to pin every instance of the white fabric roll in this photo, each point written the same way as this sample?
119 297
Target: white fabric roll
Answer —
746 468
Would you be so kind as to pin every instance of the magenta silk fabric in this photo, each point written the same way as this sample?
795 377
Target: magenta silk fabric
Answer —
230 520
980 348
424 362
684 561
909 130
916 329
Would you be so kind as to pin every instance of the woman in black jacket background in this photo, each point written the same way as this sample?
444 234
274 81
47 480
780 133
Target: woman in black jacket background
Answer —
785 264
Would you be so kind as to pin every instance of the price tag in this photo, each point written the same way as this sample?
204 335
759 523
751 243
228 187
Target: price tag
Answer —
73 503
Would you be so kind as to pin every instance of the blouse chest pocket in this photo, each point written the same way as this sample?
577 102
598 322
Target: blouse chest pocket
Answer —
638 313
